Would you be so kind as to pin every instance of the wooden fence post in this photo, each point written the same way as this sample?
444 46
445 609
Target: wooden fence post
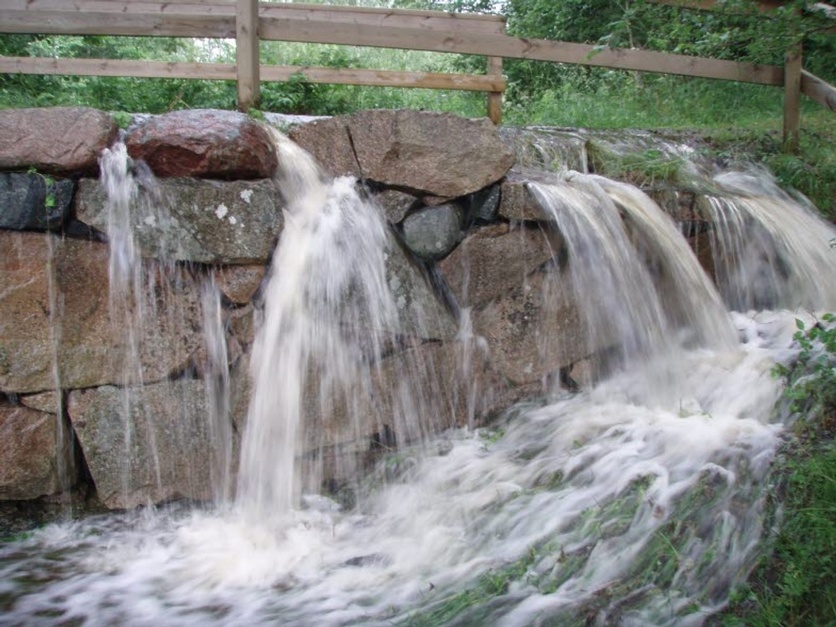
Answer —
792 98
495 97
246 54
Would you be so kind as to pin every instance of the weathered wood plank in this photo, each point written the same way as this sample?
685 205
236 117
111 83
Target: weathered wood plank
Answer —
421 20
193 7
821 91
402 18
226 71
121 67
386 78
103 23
246 54
495 97
792 99
506 46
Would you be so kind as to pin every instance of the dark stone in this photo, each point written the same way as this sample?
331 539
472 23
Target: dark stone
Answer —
34 202
483 206
433 232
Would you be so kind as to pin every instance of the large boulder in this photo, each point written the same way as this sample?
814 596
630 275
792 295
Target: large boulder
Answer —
427 154
30 201
57 140
74 329
494 260
204 143
160 451
233 222
34 461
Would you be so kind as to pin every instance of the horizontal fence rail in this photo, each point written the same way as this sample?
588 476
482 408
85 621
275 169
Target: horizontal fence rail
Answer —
249 21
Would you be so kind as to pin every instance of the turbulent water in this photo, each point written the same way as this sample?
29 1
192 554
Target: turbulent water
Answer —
629 503
770 249
604 503
327 303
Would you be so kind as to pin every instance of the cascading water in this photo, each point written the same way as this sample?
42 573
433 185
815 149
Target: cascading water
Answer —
328 313
606 271
139 299
621 504
770 250
127 302
217 392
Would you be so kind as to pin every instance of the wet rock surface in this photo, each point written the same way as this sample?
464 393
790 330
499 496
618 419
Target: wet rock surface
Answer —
484 318
425 153
183 219
432 232
55 140
204 143
493 260
33 462
30 201
169 454
77 339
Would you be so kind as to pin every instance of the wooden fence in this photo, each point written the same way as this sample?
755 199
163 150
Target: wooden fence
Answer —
248 21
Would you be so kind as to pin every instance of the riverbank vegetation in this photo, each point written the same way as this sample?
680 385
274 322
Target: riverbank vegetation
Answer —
795 582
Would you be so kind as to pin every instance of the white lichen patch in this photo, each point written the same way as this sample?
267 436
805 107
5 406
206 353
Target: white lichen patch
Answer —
246 195
221 211
150 221
233 220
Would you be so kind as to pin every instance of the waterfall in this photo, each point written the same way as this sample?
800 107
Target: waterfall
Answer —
607 272
126 296
770 250
140 296
217 391
638 500
691 302
328 313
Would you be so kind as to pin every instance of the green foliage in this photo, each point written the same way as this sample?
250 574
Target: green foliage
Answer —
812 380
49 189
640 168
113 93
123 119
736 31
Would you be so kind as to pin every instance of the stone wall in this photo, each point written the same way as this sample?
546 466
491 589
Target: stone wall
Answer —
472 254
